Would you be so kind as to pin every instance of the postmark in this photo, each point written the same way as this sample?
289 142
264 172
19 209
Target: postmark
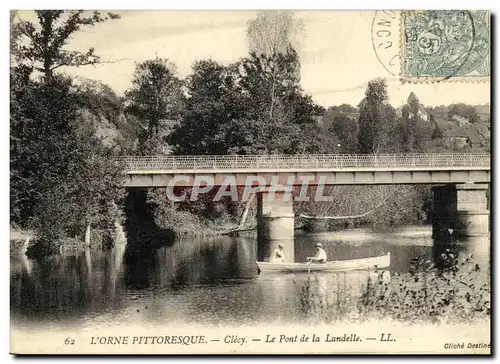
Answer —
445 45
386 40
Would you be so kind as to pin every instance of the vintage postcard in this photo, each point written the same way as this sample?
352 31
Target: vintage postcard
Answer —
250 182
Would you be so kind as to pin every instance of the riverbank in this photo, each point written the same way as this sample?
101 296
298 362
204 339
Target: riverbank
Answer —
17 240
18 247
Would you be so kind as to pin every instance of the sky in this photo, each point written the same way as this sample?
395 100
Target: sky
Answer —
336 52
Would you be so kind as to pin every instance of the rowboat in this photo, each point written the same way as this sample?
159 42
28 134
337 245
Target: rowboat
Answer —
382 261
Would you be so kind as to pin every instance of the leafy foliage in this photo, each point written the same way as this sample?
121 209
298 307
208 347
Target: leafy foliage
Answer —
100 98
463 110
212 101
346 130
42 46
423 295
427 294
62 177
415 132
255 106
376 120
155 97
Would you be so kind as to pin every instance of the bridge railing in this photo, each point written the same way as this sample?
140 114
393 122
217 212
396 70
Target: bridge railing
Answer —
215 162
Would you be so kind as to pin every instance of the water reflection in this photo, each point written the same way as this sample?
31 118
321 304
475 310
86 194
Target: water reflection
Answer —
209 281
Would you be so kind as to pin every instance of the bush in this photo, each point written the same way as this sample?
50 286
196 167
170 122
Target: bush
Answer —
194 219
423 295
427 294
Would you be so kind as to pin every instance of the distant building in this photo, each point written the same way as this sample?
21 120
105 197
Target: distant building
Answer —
457 134
461 121
421 112
455 138
474 138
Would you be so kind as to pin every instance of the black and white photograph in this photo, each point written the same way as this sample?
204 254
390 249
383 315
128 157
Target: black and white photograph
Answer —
250 182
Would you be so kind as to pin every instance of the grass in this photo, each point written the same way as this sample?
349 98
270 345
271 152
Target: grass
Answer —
425 294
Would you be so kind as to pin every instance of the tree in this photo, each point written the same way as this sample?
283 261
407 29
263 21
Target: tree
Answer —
269 80
341 129
62 177
466 111
346 130
57 163
254 106
100 98
344 109
279 73
273 32
43 46
258 136
376 120
212 100
415 132
21 134
97 191
155 97
422 136
272 40
407 130
283 119
15 35
229 109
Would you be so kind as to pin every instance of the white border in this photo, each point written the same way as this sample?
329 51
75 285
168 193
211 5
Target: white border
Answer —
193 4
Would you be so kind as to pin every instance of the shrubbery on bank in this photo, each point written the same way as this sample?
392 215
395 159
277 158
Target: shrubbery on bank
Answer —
426 294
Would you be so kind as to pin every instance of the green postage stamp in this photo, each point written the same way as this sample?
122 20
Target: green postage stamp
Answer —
441 45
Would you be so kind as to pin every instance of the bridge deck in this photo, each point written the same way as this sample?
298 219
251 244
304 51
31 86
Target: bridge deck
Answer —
300 162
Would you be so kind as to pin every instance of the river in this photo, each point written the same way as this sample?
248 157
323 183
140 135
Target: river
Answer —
209 281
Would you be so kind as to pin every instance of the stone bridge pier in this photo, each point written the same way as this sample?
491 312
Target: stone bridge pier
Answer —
463 208
275 223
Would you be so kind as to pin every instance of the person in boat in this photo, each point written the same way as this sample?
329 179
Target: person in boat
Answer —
278 255
320 256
